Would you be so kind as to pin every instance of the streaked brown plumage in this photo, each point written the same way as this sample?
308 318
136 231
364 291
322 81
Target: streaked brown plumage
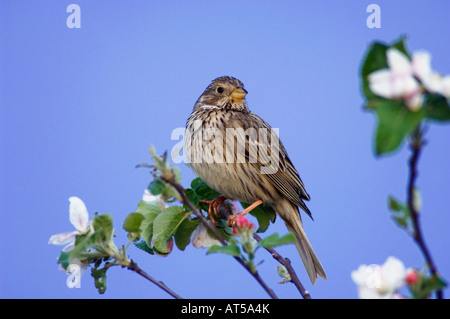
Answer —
222 106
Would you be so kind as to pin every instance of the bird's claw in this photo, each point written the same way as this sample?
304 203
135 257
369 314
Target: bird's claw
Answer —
212 210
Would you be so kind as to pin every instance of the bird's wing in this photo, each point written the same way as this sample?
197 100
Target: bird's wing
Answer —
284 177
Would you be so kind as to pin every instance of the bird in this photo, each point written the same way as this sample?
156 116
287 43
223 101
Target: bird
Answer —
228 147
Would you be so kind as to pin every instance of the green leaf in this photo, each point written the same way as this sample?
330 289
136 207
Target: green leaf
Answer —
83 242
264 215
165 225
223 228
437 108
184 232
143 246
145 208
400 45
167 192
375 60
157 186
160 161
231 249
400 213
426 286
63 259
149 211
99 275
192 196
166 251
176 171
132 223
203 190
275 240
436 283
395 122
395 205
104 223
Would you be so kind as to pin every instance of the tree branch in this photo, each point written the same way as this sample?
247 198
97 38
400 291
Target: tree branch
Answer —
134 267
416 147
225 213
186 201
287 264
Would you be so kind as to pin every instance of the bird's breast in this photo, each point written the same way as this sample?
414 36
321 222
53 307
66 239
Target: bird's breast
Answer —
217 148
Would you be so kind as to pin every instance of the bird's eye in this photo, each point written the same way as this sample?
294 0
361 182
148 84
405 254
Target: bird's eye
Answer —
220 89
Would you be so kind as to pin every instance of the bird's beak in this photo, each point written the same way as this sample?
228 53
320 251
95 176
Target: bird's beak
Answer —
238 93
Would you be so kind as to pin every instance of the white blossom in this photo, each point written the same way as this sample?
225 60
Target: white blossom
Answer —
79 218
380 282
202 238
149 197
407 79
397 81
431 80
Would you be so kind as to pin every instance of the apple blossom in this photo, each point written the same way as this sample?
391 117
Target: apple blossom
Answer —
397 81
202 238
401 79
379 282
79 218
431 80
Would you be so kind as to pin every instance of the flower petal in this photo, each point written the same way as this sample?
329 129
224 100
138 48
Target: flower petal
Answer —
380 83
398 62
62 239
365 292
149 197
201 238
445 90
69 247
79 216
421 64
410 87
434 83
360 275
404 86
415 102
393 273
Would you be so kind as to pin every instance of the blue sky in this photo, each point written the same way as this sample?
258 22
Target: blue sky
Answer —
80 107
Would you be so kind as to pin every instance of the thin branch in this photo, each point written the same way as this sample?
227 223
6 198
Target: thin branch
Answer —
287 264
213 229
134 267
225 213
416 147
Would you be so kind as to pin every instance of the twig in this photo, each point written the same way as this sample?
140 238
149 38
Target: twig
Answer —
283 261
286 263
416 147
213 229
134 267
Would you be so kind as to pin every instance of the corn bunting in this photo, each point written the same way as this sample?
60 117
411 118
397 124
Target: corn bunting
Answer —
239 155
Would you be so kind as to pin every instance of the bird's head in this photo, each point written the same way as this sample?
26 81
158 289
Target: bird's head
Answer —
224 92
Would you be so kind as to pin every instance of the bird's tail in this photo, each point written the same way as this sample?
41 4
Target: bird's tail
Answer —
312 264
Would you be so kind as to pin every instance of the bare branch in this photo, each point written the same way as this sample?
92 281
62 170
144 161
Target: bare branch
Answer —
134 267
416 146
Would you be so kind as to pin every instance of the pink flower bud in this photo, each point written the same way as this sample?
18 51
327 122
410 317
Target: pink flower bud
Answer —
242 222
412 276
